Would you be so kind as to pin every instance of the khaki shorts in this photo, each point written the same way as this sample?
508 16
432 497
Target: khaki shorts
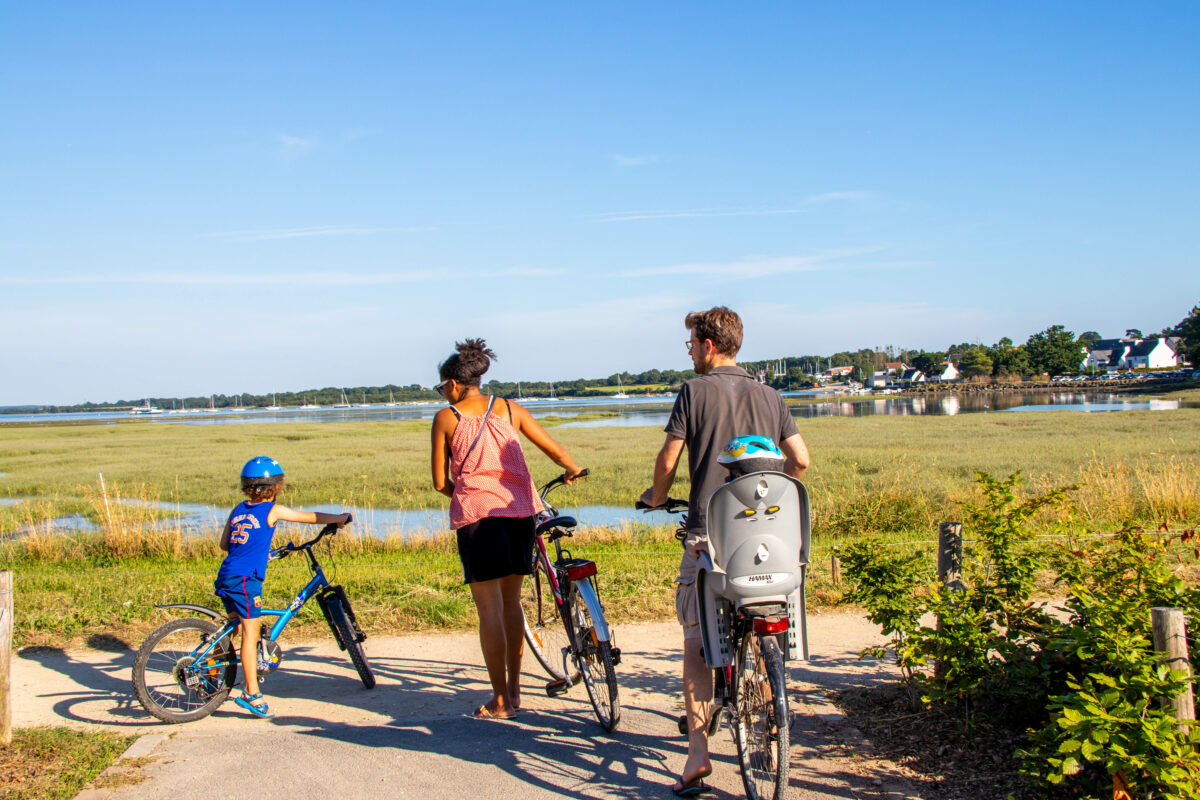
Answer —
687 609
687 602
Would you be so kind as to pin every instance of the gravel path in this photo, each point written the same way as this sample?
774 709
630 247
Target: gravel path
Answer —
412 736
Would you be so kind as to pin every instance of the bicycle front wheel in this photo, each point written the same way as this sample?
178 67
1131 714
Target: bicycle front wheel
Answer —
595 661
168 680
347 639
545 630
760 730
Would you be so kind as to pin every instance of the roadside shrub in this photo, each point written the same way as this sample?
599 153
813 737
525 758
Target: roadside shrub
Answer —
1083 680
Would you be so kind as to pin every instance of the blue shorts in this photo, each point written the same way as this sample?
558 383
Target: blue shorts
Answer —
241 596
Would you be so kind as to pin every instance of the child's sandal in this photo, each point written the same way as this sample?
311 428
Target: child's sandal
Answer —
255 704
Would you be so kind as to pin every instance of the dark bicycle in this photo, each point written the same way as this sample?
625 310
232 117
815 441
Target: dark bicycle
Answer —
752 615
565 626
186 668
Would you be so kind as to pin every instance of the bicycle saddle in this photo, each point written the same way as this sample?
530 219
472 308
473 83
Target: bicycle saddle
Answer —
556 522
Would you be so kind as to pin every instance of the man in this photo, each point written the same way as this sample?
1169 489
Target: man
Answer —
710 410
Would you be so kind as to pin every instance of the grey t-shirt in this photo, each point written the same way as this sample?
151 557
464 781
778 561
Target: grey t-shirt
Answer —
711 410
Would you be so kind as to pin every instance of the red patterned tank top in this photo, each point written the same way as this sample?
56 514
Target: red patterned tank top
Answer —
491 478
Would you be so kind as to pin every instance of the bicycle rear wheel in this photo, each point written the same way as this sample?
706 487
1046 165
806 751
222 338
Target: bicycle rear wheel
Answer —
595 661
167 682
545 630
347 639
760 730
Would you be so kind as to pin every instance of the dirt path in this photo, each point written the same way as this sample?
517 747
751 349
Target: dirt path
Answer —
411 735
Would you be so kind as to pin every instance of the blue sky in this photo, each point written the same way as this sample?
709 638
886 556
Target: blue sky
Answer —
254 197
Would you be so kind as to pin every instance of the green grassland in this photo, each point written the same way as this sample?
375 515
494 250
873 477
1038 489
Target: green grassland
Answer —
890 476
45 763
929 460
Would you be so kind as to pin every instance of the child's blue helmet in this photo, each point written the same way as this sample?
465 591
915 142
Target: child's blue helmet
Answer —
261 471
746 454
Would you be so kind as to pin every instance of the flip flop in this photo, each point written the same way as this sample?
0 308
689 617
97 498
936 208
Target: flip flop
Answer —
696 787
483 713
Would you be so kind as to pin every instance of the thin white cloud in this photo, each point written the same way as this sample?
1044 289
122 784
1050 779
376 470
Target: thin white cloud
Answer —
318 230
317 279
827 197
625 216
633 161
756 267
296 146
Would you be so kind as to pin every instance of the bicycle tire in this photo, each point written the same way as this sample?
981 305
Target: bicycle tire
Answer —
157 679
545 630
760 729
347 639
595 661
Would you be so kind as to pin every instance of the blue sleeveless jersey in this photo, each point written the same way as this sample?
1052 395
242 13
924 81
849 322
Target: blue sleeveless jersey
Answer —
249 541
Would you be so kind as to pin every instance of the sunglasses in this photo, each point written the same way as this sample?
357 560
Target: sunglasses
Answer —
442 385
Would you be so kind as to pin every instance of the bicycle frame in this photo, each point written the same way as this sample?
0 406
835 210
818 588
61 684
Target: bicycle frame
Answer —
283 615
560 581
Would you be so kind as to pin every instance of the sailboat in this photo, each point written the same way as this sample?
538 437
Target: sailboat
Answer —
308 405
146 409
344 403
364 403
391 403
620 395
273 406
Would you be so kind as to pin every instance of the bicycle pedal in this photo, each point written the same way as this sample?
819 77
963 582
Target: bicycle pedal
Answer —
616 655
557 688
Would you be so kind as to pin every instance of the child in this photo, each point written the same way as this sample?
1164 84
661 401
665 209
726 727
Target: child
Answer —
247 539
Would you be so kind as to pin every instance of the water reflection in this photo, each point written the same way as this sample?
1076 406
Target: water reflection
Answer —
195 519
655 410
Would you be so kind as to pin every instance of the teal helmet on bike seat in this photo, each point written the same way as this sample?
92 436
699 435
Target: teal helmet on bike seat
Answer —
261 471
745 454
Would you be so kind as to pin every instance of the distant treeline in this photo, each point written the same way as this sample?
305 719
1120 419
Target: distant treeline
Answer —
1053 351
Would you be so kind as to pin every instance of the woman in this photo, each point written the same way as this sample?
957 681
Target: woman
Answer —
477 462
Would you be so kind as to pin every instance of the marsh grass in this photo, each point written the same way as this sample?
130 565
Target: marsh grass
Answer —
886 476
69 588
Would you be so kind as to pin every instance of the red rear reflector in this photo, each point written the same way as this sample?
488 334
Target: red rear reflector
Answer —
581 569
770 625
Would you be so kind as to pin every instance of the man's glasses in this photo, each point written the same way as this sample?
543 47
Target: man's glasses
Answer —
690 343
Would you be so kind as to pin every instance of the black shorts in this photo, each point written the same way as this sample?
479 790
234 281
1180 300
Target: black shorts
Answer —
496 547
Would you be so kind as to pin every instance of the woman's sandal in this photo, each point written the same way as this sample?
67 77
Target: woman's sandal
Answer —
255 704
694 787
483 712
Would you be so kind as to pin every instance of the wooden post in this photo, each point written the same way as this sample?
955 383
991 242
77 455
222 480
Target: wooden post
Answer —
6 623
835 567
1170 638
950 555
949 567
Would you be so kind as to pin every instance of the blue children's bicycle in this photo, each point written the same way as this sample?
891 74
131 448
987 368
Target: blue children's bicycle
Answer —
186 668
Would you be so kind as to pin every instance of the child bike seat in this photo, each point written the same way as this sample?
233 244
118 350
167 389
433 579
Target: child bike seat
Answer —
759 540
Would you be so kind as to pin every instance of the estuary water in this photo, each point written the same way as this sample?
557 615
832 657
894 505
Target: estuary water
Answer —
634 411
199 519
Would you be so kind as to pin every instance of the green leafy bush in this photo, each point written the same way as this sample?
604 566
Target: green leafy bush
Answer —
1081 676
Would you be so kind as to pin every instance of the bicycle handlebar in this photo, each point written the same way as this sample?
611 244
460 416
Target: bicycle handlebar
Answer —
559 481
289 548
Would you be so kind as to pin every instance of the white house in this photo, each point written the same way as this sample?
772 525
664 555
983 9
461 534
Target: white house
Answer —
944 373
1152 354
1130 353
